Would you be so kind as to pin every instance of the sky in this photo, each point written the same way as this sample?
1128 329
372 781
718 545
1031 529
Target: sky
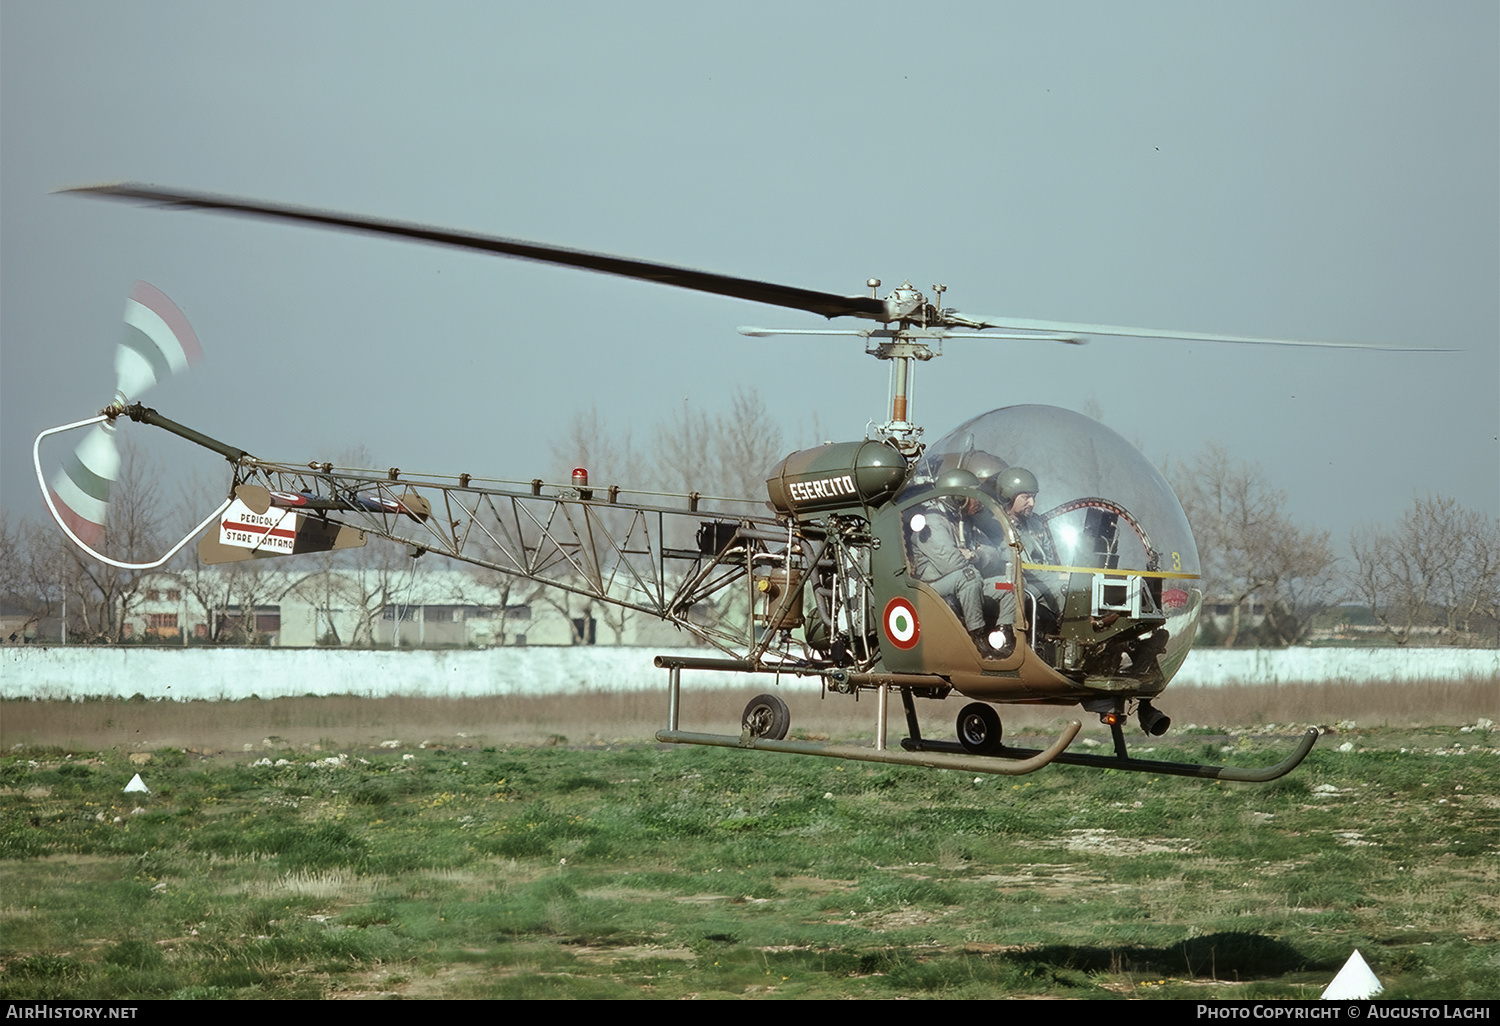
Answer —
1304 170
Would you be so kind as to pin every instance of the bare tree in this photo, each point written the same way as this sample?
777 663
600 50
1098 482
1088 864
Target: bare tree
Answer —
607 453
27 595
378 580
684 450
50 572
230 593
502 596
749 442
351 591
721 454
1439 568
1250 548
577 610
12 562
712 454
693 450
1306 587
99 596
320 588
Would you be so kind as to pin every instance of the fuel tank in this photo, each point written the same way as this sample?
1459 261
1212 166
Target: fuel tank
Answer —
840 475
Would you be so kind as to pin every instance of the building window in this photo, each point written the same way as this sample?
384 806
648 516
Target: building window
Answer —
235 624
161 625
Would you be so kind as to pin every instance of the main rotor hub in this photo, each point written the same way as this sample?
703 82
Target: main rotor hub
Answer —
904 304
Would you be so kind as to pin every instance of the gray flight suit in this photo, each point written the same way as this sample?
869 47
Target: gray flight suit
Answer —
1046 586
937 560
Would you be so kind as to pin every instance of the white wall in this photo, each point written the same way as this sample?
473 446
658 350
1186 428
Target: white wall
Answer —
1210 667
33 671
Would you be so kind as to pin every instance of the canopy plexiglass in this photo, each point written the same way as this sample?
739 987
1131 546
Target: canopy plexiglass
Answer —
1121 540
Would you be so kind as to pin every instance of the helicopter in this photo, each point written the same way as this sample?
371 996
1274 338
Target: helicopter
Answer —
884 565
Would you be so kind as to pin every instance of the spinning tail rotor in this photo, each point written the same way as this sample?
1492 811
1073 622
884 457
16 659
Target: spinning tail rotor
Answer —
158 343
80 490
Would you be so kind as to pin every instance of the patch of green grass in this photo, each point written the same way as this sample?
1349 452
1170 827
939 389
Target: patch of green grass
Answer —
646 872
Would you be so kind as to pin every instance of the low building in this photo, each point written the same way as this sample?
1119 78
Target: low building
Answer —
359 607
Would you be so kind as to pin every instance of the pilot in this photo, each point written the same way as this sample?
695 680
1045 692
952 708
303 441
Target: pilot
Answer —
1017 490
947 551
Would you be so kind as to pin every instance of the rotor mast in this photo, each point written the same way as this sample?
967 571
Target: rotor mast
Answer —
902 345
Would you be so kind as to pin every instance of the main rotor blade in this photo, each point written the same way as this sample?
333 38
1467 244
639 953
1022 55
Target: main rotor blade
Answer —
825 303
1071 328
936 334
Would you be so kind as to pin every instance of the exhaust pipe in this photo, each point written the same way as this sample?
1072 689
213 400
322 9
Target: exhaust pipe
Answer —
1153 720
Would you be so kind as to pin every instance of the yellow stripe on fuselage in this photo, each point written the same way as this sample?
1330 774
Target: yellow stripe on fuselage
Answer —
1110 573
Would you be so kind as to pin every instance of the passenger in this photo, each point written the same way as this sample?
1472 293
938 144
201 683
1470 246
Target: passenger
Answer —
946 551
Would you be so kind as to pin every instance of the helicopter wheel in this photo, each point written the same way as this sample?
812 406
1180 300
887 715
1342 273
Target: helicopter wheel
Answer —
767 716
979 728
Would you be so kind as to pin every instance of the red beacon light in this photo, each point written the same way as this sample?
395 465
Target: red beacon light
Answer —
581 482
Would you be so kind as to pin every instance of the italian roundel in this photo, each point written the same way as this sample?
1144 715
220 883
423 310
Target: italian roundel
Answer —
901 623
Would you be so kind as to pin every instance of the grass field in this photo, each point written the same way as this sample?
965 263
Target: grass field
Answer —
534 850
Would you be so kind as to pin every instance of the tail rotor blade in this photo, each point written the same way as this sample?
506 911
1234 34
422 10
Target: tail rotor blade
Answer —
81 488
158 342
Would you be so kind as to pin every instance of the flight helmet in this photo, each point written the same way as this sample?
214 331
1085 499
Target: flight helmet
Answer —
950 481
1014 481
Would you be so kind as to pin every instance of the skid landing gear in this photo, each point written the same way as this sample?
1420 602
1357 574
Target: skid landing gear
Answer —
972 730
767 713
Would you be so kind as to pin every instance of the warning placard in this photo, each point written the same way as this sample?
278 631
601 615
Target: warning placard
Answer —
275 530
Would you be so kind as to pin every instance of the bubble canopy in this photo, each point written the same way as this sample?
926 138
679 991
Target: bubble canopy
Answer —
1081 465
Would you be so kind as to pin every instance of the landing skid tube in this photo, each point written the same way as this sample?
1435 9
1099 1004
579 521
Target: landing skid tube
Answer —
933 760
953 758
1121 760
